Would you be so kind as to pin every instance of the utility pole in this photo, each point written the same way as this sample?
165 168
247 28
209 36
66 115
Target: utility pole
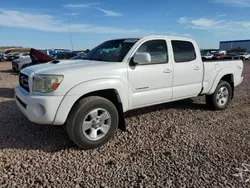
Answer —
70 36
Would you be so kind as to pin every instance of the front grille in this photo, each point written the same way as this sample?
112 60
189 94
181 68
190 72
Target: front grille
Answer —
24 81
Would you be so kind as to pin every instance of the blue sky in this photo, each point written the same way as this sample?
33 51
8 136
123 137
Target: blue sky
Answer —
44 24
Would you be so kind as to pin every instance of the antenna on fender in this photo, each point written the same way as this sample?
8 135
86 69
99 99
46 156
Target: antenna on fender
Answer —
70 36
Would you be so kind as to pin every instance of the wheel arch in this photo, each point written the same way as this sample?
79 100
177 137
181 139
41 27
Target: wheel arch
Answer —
225 75
230 79
113 96
116 93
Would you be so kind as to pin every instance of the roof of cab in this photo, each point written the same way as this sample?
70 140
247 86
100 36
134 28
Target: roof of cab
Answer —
156 36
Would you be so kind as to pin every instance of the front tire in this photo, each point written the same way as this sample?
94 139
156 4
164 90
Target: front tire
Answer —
221 97
92 122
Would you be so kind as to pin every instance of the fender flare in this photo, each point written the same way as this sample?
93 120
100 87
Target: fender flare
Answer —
84 88
218 77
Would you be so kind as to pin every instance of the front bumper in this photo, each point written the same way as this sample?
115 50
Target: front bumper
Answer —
238 81
38 109
241 80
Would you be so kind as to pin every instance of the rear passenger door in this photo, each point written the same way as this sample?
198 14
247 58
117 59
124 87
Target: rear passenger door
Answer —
188 69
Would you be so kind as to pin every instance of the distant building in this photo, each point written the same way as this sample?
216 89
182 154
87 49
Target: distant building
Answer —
228 45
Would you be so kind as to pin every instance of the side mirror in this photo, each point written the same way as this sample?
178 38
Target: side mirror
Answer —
142 58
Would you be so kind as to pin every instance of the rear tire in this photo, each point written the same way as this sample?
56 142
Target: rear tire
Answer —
92 122
221 97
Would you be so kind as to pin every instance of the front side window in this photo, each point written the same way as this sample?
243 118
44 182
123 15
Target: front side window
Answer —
183 51
157 50
112 50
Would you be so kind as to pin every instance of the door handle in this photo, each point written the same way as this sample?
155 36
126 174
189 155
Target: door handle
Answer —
196 68
167 71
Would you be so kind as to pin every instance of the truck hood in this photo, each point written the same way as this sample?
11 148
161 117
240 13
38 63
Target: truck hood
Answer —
76 67
76 72
64 66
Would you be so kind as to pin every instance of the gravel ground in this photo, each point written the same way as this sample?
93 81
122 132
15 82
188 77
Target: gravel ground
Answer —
180 144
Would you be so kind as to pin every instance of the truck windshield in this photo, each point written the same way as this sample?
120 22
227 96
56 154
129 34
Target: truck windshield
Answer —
112 50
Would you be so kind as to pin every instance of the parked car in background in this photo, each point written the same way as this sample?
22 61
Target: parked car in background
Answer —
52 52
35 57
43 57
64 55
244 55
4 57
1 58
24 55
90 96
233 55
79 57
11 56
207 55
17 64
222 52
218 56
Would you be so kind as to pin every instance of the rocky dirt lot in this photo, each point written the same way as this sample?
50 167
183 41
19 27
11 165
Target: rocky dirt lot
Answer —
180 144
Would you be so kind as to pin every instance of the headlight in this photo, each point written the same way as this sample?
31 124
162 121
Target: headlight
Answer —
46 83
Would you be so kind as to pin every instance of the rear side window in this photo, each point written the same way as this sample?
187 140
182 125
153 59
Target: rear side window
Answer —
183 51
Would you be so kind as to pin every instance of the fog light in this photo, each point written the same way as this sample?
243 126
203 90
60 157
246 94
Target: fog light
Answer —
39 110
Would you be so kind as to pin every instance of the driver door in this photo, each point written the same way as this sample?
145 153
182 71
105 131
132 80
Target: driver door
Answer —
151 83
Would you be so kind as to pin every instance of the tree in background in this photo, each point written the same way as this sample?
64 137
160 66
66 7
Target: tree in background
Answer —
87 51
238 49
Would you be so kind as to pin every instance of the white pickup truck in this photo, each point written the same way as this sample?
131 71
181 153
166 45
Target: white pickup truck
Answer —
90 96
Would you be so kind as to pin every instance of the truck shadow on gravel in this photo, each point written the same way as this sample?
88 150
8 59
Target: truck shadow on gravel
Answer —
18 133
9 71
7 93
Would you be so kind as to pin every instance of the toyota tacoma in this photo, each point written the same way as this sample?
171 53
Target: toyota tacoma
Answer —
90 96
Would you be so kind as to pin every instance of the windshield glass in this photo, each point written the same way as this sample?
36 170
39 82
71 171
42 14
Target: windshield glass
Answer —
112 50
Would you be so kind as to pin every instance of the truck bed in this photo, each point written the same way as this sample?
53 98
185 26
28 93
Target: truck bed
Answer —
213 69
213 59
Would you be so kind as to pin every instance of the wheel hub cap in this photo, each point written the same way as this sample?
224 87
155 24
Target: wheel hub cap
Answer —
222 96
96 124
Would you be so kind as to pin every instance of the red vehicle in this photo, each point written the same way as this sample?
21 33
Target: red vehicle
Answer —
219 56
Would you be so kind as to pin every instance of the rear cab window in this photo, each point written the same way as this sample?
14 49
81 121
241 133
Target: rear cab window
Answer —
183 51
